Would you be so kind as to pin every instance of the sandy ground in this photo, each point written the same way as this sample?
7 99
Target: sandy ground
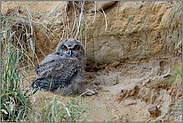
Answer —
126 89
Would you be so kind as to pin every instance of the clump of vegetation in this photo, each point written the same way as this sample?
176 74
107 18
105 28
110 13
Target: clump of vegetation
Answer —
14 103
67 109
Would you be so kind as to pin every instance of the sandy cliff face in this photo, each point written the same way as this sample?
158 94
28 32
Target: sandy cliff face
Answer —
127 30
134 30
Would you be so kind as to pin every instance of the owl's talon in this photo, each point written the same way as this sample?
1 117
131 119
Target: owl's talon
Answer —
90 92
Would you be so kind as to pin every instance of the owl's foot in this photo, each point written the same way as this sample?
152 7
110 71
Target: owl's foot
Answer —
90 92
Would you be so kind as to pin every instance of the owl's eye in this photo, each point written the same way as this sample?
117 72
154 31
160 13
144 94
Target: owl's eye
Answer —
64 47
75 47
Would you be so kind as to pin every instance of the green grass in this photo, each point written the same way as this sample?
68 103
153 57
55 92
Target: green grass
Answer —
68 109
14 103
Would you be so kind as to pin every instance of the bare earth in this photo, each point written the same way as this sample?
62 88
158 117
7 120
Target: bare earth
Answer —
126 89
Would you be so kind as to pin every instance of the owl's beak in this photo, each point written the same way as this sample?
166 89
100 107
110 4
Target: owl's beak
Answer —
70 52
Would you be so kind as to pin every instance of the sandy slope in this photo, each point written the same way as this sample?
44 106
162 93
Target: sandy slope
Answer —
125 91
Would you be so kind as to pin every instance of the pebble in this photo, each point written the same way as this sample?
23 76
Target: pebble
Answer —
153 110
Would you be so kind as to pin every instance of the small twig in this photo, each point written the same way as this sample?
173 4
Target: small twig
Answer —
95 13
105 19
58 102
80 17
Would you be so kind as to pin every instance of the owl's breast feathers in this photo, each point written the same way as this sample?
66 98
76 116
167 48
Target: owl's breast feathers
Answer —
55 73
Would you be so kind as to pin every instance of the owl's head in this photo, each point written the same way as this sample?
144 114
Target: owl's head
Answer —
70 48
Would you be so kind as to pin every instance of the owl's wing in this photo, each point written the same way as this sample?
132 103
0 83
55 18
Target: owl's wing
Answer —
57 66
55 71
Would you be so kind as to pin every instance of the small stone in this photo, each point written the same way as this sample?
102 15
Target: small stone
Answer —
148 80
153 110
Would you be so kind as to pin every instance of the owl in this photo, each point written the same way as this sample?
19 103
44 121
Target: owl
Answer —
63 70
